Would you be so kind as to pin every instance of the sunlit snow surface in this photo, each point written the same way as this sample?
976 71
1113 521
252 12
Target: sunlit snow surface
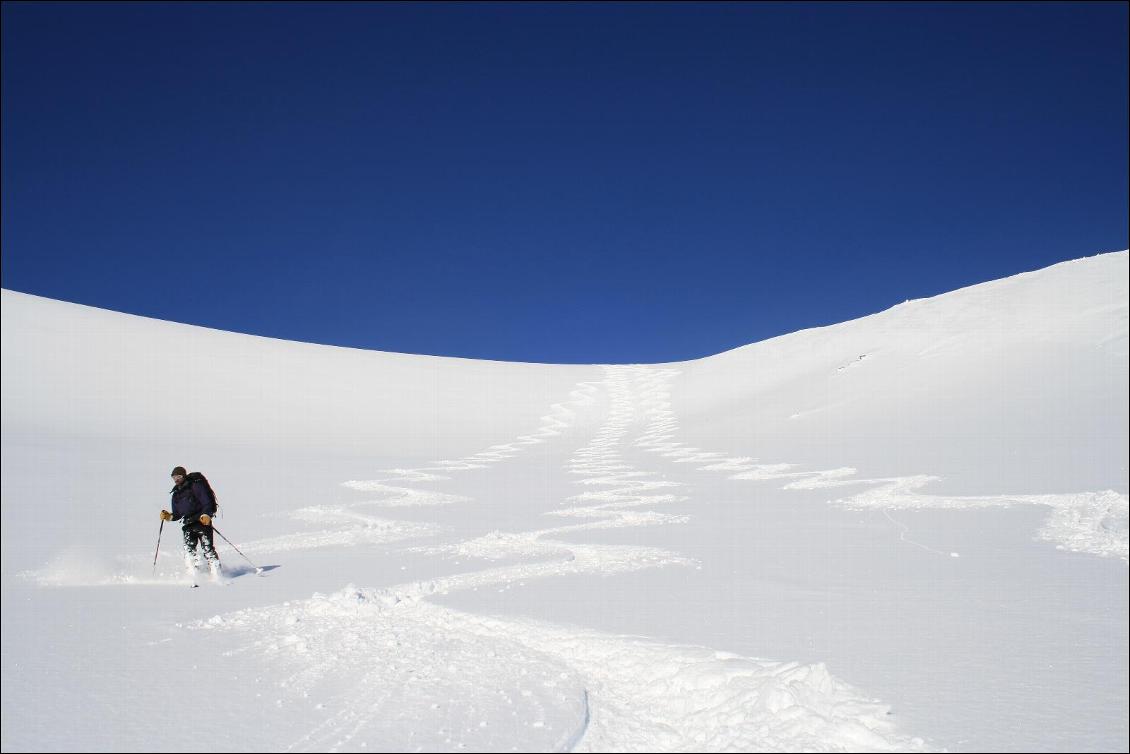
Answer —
906 532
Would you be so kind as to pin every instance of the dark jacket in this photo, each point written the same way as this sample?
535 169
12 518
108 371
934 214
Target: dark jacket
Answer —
190 499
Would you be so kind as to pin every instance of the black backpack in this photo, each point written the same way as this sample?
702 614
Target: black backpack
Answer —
195 477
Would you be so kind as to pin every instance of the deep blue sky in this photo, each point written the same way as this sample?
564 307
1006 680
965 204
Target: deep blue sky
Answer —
561 183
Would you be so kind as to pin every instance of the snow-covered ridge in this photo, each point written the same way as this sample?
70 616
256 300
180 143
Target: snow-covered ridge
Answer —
526 547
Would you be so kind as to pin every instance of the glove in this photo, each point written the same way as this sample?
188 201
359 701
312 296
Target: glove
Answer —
205 519
166 516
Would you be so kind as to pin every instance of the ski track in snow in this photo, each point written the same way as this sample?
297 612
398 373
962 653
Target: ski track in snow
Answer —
1089 522
400 656
617 505
354 528
357 529
552 687
619 693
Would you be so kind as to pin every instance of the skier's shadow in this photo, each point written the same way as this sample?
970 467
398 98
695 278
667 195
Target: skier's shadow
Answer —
243 570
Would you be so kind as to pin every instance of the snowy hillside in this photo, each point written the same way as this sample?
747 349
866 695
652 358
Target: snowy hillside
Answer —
905 532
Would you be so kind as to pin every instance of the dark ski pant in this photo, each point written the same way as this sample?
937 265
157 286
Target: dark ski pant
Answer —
197 534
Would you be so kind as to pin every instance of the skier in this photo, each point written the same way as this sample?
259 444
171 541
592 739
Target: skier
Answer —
193 501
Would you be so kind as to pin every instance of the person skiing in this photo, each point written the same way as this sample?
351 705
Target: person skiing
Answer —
194 503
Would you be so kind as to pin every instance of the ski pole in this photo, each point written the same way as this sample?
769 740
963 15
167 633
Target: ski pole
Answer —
158 546
257 568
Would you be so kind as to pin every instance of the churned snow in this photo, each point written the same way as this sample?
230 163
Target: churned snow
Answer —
906 532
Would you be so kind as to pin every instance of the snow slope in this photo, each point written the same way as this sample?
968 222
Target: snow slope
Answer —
905 532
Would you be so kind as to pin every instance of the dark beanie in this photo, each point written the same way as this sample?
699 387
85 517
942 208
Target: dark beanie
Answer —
179 470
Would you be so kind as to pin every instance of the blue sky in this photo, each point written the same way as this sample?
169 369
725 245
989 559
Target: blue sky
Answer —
552 183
